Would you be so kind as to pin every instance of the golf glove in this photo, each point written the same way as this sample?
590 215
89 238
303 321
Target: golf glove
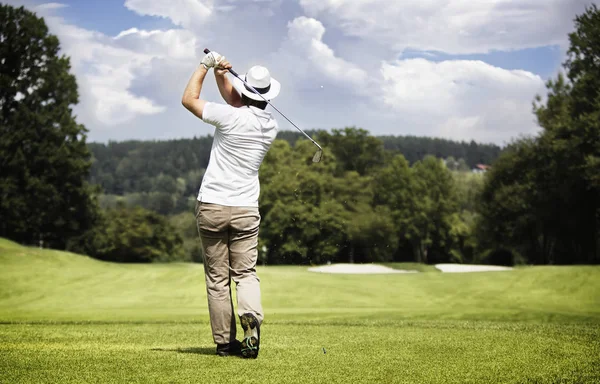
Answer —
212 59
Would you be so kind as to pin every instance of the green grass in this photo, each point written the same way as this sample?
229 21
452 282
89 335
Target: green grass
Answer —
71 319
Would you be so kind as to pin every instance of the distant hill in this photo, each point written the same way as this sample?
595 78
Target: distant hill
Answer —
415 148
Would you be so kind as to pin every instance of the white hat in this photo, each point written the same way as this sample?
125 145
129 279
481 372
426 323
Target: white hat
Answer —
259 78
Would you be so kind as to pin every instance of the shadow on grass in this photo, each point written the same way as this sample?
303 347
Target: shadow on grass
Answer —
196 350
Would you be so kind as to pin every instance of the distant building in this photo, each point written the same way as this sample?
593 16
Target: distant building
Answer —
481 168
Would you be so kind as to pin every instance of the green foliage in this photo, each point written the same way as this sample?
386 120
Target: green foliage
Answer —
44 159
175 166
437 203
416 148
463 223
394 188
354 149
345 209
469 186
425 208
132 235
373 237
300 221
134 167
159 202
542 198
184 224
315 213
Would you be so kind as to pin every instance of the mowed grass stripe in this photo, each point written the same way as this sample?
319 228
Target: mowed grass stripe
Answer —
177 353
48 285
70 319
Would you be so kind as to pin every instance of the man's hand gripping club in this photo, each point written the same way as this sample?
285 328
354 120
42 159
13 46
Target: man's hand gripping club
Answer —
211 60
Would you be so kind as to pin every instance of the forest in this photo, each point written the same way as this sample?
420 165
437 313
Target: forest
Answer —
342 217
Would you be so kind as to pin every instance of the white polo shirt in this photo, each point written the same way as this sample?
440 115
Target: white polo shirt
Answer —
242 138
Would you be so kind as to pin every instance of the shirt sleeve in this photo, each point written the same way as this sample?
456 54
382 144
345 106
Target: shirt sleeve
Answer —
222 116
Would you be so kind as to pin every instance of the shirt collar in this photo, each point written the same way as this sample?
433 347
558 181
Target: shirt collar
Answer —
258 111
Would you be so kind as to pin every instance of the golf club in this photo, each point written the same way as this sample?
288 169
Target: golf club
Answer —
318 154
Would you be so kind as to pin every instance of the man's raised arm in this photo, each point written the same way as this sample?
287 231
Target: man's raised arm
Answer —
229 94
191 95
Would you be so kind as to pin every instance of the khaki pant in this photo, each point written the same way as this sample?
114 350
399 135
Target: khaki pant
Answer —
229 240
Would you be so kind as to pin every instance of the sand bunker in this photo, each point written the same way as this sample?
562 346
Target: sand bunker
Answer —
380 269
460 268
357 269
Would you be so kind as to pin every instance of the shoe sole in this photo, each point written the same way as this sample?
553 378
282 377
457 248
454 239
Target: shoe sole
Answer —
251 340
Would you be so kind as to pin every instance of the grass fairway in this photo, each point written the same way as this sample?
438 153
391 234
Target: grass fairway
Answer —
71 319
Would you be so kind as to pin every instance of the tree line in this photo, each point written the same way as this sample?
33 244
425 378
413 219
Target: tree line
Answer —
164 176
370 199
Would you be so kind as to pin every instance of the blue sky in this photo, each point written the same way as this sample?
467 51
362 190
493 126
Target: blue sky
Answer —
458 69
108 16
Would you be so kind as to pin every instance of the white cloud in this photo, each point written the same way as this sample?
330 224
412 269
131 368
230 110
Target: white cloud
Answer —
461 99
181 12
131 83
305 43
451 26
202 14
106 68
173 43
50 6
458 99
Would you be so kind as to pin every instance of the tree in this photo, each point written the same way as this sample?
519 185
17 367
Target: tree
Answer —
436 205
372 235
354 149
542 197
468 187
394 189
133 235
512 215
302 222
423 204
582 134
184 225
43 154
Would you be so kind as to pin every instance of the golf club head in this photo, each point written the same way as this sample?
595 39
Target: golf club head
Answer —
318 155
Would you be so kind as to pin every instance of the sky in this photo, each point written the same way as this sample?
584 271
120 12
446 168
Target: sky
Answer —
456 69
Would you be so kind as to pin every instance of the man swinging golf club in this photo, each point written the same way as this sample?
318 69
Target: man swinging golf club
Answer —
227 208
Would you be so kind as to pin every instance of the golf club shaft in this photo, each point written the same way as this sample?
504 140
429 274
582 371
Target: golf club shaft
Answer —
207 51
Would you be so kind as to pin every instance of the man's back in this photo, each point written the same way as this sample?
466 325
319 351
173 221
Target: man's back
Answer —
242 138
